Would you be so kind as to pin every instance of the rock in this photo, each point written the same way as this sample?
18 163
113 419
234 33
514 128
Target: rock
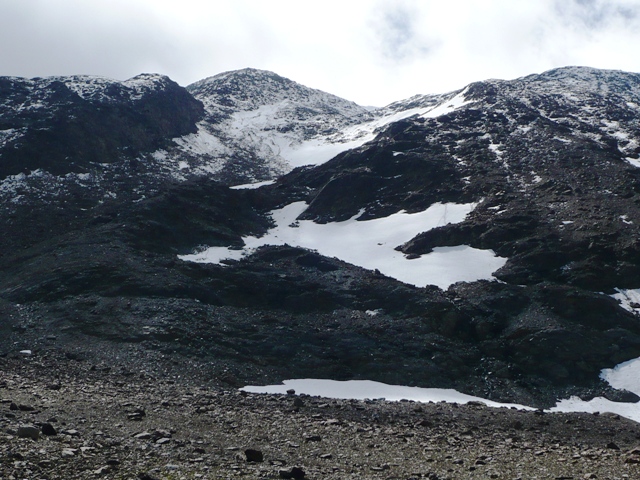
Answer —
28 431
13 406
137 415
161 433
298 402
254 455
143 436
162 441
291 391
102 471
146 476
48 429
26 408
624 396
313 438
381 468
296 473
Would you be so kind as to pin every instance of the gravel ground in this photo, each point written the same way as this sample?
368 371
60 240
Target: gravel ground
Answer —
93 423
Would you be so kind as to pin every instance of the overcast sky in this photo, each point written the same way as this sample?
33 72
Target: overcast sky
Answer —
369 51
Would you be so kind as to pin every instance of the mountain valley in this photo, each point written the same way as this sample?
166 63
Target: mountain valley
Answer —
106 186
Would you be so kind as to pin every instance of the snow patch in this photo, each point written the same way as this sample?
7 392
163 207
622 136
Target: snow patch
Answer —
625 376
633 161
252 186
319 151
628 299
371 244
598 404
201 143
10 134
496 148
367 389
447 107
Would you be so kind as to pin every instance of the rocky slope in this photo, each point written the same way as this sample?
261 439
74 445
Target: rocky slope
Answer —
88 421
547 161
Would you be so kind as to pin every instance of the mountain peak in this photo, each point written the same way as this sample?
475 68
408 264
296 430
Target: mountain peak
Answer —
244 84
588 80
249 89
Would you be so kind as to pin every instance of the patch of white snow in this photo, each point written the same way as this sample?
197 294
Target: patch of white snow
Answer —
200 143
629 299
447 107
367 389
371 244
251 186
633 161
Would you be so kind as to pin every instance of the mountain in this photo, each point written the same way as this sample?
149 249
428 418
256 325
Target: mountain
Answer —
483 239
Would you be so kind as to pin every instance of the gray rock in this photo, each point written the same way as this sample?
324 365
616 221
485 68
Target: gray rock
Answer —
102 470
28 431
48 429
296 473
254 455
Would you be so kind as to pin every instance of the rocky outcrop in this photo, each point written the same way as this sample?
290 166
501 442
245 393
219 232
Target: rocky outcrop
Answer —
71 124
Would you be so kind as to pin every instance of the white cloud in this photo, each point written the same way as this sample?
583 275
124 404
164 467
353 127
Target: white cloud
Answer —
370 51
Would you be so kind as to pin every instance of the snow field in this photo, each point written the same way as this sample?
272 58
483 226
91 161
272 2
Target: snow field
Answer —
371 244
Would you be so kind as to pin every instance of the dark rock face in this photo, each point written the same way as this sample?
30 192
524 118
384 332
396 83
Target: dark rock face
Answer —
69 124
548 159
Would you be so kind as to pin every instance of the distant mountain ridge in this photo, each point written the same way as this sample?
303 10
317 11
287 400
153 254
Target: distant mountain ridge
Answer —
105 185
